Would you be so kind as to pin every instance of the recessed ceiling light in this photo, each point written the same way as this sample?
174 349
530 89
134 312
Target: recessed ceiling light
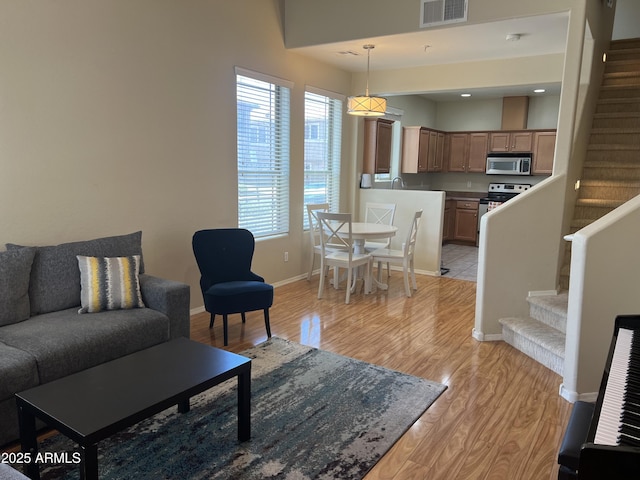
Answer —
465 94
513 37
539 90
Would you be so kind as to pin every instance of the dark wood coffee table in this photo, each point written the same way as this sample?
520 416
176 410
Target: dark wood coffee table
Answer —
91 405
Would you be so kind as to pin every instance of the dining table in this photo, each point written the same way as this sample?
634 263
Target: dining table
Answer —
360 233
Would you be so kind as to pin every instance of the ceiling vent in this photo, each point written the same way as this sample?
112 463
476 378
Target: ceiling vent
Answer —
440 12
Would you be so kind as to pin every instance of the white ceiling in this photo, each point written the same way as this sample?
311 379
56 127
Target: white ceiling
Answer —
539 35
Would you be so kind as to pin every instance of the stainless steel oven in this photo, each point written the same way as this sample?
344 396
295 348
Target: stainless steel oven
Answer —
498 194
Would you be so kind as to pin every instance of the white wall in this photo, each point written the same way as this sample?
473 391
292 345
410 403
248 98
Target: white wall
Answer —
512 265
604 283
429 240
626 23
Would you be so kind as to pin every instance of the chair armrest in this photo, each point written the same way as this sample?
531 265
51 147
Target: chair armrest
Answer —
171 298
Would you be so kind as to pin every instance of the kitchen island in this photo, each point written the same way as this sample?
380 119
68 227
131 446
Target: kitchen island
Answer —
429 241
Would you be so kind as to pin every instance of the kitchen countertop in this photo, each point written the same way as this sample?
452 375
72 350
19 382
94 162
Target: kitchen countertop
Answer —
464 195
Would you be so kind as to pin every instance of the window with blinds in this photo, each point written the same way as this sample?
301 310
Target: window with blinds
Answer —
263 153
322 147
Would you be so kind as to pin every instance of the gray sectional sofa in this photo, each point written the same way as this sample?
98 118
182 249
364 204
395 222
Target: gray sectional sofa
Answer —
44 337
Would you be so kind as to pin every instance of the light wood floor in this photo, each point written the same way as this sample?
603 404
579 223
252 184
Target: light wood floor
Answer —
501 417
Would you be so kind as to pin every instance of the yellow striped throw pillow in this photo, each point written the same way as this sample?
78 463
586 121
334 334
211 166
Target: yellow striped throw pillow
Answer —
109 283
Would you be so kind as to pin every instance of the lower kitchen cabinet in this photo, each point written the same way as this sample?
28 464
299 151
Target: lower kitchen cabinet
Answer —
466 221
449 215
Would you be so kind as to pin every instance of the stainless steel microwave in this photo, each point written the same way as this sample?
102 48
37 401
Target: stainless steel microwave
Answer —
508 164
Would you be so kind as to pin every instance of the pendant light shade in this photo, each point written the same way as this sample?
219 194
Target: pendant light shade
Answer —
364 105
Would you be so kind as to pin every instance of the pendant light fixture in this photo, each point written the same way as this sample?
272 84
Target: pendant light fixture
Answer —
366 106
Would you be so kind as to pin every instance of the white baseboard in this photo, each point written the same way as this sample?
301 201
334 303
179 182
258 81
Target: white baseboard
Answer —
572 396
542 293
481 337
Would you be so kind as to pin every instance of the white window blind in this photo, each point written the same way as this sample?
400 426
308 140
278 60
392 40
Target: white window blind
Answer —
322 147
263 154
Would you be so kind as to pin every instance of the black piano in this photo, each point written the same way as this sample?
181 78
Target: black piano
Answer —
612 446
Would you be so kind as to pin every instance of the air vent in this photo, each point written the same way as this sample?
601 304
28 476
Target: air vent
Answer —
440 12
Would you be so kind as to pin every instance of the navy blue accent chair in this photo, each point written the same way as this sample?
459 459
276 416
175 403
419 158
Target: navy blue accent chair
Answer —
228 285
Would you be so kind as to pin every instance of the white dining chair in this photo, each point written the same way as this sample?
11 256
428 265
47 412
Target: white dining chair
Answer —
403 257
314 234
383 214
336 229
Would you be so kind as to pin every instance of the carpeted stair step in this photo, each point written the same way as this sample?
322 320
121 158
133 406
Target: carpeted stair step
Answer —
609 105
535 339
599 203
621 78
616 120
618 66
619 91
602 169
616 136
622 55
615 190
550 309
625 44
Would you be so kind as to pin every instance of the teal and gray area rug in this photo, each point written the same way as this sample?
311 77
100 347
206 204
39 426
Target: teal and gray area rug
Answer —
315 415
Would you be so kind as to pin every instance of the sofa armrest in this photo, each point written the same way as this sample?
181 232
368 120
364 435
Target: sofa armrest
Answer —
171 298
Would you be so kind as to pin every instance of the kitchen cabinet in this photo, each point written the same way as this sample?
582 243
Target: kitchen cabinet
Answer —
467 152
435 155
422 150
466 221
449 215
518 141
415 148
544 146
377 145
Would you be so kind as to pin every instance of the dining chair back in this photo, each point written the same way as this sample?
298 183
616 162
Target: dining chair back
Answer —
380 213
336 230
228 285
403 257
314 232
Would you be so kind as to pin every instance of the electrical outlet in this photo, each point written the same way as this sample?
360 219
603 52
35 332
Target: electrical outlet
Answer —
286 256
468 184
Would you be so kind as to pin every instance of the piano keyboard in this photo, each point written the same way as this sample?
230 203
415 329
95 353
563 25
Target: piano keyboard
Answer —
613 413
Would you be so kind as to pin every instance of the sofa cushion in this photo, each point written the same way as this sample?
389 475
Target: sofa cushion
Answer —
18 371
109 283
15 270
64 342
55 278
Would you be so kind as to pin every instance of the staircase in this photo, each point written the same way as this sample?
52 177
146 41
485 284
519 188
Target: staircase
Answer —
610 177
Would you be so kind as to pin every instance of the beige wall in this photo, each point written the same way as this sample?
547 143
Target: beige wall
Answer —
312 22
429 240
119 115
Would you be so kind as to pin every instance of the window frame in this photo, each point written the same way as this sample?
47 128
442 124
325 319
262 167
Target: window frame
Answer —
325 110
263 136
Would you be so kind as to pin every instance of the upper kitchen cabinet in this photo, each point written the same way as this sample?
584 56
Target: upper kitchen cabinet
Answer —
377 145
519 141
467 151
435 157
422 150
544 146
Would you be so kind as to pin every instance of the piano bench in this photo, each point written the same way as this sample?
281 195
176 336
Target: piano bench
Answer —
574 437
